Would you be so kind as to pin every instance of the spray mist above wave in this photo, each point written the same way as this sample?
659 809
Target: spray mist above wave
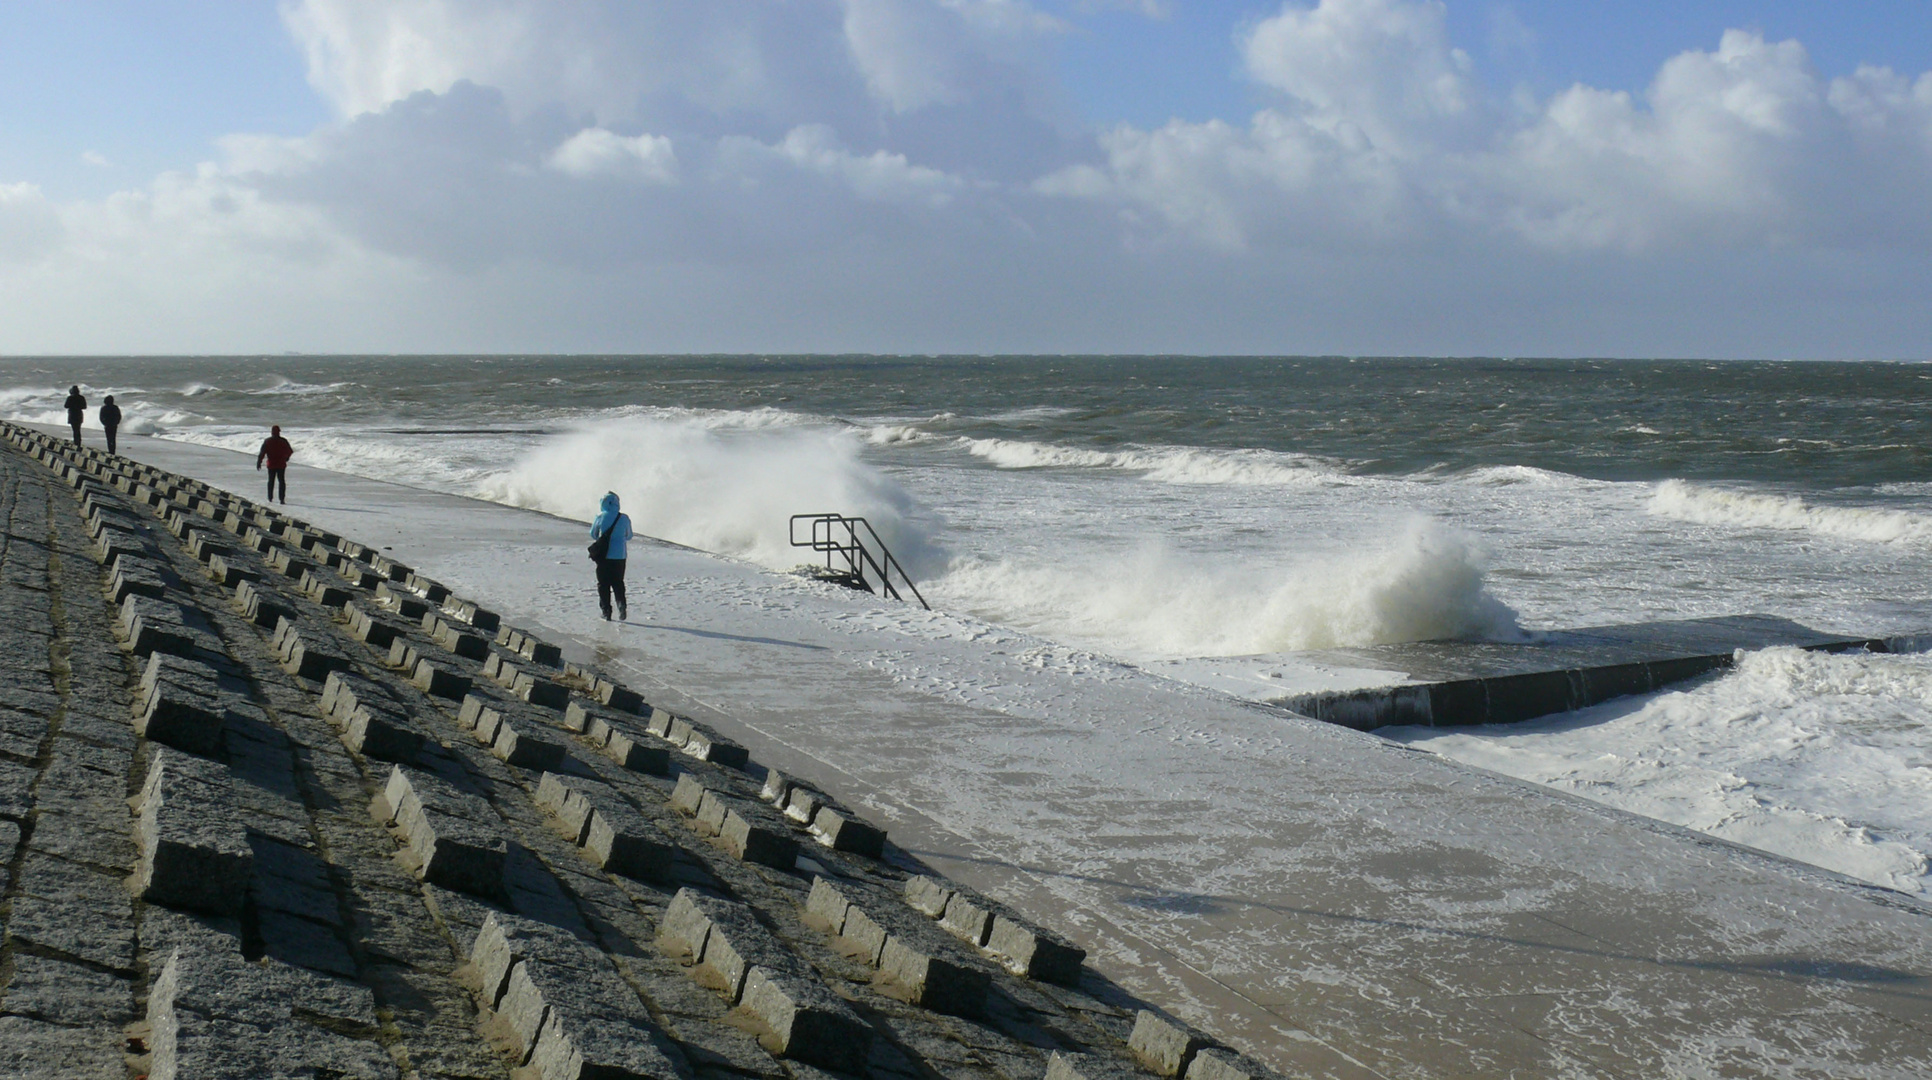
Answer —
1425 584
1164 464
1679 501
728 491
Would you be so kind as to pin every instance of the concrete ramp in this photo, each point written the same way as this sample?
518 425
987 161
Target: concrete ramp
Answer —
1464 683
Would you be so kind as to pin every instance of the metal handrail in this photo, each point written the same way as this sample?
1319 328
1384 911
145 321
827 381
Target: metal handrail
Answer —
856 552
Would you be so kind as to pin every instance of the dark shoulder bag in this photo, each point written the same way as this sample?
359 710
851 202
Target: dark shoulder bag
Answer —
600 547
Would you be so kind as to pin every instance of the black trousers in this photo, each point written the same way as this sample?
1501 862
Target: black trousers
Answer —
110 438
610 579
76 424
274 476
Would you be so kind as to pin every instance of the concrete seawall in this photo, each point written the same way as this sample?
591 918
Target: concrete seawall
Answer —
269 809
1461 684
1320 898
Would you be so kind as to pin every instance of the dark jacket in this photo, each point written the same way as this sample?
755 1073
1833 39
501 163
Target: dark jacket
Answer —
277 450
76 408
110 415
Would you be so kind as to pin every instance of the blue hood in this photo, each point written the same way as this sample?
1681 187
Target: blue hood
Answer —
609 520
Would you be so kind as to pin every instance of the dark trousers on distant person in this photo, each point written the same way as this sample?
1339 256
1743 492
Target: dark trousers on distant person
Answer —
610 580
110 437
278 476
77 441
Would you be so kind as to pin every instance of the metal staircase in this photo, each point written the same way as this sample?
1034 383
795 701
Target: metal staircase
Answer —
854 555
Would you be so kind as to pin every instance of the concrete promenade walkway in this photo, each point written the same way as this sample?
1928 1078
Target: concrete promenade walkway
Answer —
1324 899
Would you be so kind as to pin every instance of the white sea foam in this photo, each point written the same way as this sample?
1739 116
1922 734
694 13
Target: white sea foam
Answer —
285 386
1680 501
1818 757
727 491
1425 583
1163 464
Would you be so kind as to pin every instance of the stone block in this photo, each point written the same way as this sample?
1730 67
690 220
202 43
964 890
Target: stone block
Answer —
925 978
1033 952
686 926
505 940
841 831
260 608
382 734
440 681
211 1015
1163 1045
498 669
620 839
688 795
738 943
540 691
228 573
578 717
205 545
711 812
194 850
928 895
966 920
455 837
620 746
826 906
1069 1066
777 787
403 654
805 1021
527 746
576 1047
659 722
489 721
472 711
180 705
401 602
801 803
706 745
308 659
343 690
1215 1063
371 628
288 564
544 654
754 840
135 575
158 626
864 936
620 698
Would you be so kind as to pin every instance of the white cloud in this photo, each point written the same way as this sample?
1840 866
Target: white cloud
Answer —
878 176
1385 66
94 158
1382 136
598 152
896 174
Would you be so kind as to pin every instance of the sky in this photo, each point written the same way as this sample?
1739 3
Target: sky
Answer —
1360 177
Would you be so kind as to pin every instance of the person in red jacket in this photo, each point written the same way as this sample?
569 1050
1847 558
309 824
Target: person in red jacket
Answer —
276 451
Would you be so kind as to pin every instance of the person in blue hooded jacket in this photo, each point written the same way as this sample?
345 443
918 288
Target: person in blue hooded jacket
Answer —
616 526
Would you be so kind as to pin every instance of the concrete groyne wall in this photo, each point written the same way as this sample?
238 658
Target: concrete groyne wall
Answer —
1462 684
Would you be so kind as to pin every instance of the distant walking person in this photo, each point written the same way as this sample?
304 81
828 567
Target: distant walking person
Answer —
110 420
276 451
76 411
610 536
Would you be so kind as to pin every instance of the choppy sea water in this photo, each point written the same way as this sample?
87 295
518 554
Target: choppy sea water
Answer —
1163 508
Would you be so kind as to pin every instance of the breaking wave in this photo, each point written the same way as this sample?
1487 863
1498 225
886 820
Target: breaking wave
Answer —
1164 464
711 487
1680 501
1426 583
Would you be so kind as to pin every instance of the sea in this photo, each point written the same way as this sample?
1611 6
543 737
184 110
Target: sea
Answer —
1168 510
